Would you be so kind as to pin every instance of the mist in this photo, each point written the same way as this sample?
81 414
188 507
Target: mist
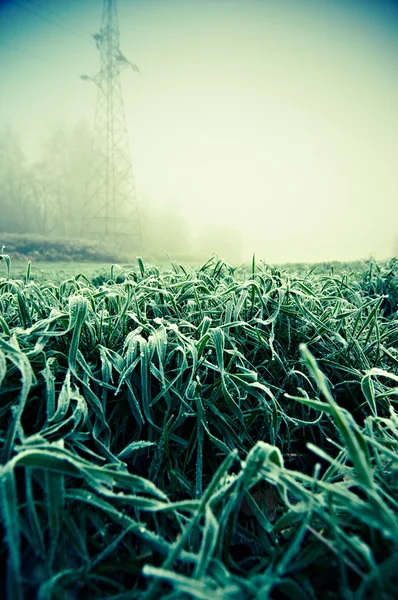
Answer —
255 126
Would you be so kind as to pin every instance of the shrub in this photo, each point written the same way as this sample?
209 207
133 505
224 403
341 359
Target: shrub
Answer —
33 246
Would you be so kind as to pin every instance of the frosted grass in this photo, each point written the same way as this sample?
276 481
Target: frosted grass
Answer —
199 432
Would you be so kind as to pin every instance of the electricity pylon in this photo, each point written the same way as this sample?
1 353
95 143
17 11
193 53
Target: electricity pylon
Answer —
110 212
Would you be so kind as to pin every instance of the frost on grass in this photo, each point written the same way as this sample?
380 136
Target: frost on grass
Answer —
199 433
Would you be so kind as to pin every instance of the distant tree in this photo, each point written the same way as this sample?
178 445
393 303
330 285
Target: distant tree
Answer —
47 196
17 207
59 179
77 158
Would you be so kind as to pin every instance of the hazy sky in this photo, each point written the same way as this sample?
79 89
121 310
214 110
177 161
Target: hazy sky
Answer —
277 118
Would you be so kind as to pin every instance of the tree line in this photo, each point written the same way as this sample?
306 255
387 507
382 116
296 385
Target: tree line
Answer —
46 197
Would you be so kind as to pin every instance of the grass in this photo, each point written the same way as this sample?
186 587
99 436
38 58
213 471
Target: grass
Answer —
205 432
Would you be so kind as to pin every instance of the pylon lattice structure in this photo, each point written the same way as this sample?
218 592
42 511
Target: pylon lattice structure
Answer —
110 211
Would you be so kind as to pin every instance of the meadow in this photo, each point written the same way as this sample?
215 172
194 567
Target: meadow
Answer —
199 432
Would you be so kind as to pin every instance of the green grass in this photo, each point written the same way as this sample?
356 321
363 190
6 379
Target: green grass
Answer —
210 432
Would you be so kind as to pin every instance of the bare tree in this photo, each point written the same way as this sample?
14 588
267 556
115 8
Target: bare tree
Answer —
60 179
17 208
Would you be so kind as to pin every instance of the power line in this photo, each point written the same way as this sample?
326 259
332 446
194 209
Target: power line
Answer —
36 57
51 21
78 31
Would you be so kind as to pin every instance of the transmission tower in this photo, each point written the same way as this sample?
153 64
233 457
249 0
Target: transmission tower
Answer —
110 211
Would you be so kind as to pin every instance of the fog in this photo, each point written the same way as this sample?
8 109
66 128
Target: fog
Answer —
255 126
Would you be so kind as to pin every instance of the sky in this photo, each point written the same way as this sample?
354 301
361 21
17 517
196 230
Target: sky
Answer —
275 120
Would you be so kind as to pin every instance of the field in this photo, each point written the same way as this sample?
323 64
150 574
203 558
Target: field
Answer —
209 432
